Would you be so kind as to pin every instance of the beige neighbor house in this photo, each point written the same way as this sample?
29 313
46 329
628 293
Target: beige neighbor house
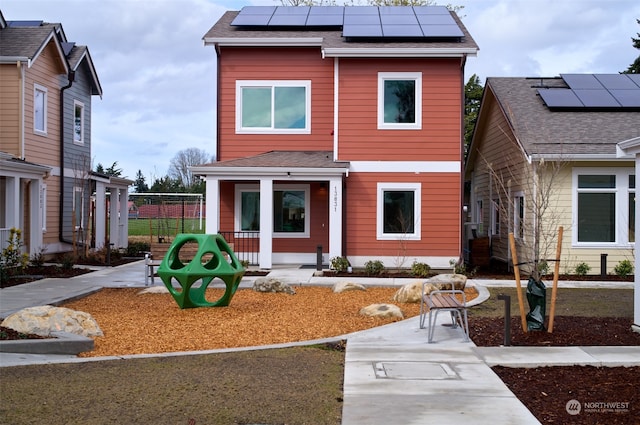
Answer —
543 155
47 189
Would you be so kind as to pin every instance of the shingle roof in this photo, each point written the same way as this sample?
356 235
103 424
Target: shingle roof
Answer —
285 159
544 132
24 41
331 38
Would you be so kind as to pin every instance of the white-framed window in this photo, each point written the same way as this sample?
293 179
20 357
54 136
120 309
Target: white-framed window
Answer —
78 207
518 215
43 207
39 109
495 217
78 122
479 216
291 206
398 211
280 107
603 206
399 100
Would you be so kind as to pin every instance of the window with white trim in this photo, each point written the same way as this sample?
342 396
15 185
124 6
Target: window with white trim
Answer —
78 122
495 217
78 207
43 207
518 215
40 109
398 211
280 107
399 100
291 206
604 206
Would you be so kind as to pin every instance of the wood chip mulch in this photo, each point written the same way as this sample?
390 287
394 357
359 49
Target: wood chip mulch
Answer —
153 323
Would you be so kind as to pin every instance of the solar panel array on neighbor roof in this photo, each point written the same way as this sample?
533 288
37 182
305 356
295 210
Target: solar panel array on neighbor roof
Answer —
356 21
602 91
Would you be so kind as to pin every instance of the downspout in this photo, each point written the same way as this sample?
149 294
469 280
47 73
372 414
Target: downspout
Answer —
71 78
22 153
462 241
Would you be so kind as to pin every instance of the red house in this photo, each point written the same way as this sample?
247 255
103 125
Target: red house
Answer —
340 127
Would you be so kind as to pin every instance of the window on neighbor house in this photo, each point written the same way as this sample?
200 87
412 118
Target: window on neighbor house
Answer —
273 107
518 216
495 217
400 100
398 211
43 207
78 207
40 109
78 122
290 210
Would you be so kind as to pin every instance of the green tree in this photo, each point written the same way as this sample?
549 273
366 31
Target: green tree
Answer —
112 171
634 68
472 97
140 184
166 185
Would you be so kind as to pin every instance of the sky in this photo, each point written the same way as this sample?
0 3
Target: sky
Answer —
158 78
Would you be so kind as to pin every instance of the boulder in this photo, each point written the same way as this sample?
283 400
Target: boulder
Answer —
269 284
44 320
348 286
411 292
382 310
443 281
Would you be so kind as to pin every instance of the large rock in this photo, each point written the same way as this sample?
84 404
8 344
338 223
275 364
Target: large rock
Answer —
43 320
269 284
382 310
443 281
348 286
412 292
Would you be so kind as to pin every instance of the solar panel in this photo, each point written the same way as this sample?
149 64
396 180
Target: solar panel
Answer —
362 31
396 10
596 98
635 78
431 10
251 20
560 98
258 10
288 20
436 20
325 20
361 19
299 10
361 10
581 81
616 81
389 19
401 31
627 98
441 31
326 10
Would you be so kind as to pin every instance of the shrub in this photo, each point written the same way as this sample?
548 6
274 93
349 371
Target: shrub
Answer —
420 269
12 256
245 263
38 258
339 264
543 268
374 267
582 269
67 261
624 268
138 249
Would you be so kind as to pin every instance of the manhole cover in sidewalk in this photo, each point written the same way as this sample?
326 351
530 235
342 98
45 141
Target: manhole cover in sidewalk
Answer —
414 370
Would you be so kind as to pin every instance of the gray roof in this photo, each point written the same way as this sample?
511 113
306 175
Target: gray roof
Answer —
332 37
545 132
24 41
284 159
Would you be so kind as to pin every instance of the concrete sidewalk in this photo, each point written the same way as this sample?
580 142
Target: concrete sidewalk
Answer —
392 375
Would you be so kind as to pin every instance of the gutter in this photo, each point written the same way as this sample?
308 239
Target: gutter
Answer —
71 77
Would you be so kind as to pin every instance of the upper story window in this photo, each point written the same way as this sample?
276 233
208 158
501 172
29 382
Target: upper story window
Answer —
604 206
40 109
78 122
279 107
398 214
400 100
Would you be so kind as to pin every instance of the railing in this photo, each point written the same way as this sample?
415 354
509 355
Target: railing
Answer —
246 245
4 238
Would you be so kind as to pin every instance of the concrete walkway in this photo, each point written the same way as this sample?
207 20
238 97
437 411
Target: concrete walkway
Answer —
392 375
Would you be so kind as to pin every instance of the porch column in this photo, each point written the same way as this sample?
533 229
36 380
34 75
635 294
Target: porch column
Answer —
636 290
335 217
12 205
212 223
101 231
35 217
123 220
113 215
266 223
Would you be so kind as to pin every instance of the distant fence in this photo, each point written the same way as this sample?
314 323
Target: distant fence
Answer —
246 245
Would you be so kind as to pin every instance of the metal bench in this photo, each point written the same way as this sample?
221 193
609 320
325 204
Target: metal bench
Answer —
444 300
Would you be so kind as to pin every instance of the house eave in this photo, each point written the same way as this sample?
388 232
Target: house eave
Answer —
267 41
390 52
246 173
577 157
628 148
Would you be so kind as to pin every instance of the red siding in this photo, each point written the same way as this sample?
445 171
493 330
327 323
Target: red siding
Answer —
440 136
275 64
